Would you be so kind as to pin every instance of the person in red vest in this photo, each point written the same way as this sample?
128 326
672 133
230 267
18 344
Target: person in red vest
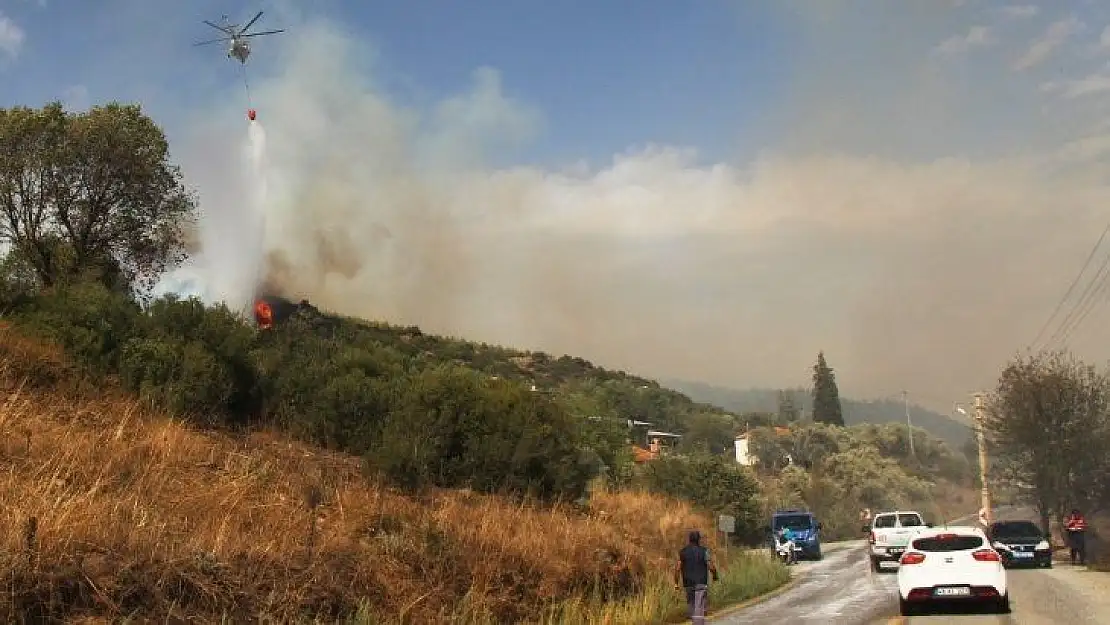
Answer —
1076 527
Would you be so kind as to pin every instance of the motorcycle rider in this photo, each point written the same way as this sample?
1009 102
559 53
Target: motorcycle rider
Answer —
785 542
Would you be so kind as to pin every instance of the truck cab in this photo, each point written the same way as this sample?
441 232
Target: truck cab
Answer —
888 535
805 527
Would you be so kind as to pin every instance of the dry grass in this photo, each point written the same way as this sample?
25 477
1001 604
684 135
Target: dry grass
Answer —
115 513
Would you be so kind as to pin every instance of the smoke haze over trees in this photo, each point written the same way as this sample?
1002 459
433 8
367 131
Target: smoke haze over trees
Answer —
410 213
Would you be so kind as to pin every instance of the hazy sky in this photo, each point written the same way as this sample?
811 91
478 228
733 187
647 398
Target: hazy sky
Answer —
709 190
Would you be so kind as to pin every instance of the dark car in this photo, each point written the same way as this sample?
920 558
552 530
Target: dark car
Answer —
1021 543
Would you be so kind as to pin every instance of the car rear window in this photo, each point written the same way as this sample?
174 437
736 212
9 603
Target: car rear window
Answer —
1015 529
885 520
909 520
955 542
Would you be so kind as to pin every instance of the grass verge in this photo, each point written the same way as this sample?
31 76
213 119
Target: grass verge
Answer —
744 576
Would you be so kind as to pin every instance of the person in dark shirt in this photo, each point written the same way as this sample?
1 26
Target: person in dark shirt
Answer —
692 574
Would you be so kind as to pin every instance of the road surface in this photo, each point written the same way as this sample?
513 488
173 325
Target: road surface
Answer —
842 590
838 589
1064 595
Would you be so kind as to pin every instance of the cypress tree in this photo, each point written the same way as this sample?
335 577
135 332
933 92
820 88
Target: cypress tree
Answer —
826 397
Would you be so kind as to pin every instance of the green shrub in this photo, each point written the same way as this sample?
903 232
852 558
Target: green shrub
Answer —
716 484
90 322
451 427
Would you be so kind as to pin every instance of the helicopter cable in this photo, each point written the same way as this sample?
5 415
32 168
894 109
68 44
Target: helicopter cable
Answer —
243 67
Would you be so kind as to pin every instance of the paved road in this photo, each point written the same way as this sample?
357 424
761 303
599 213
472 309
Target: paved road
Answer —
1065 595
838 589
842 590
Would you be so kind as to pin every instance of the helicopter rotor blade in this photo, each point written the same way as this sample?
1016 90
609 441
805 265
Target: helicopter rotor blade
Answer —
219 28
265 32
204 43
250 23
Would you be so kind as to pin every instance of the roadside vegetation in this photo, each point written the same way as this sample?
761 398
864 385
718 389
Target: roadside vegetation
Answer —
167 459
1048 427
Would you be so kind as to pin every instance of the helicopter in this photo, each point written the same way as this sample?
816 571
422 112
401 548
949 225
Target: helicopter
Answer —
239 48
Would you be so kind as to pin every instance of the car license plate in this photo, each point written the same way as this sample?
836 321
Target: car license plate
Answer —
897 552
1022 554
952 592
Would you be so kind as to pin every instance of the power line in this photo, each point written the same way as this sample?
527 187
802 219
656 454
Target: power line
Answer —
1071 288
1098 296
1087 300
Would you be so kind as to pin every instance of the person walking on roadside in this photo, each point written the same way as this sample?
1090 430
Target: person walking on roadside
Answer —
1076 527
692 575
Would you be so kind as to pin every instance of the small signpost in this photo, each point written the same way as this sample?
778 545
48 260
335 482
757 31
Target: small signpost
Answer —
727 525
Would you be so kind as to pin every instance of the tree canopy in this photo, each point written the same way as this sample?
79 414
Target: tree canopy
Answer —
826 396
1048 424
90 195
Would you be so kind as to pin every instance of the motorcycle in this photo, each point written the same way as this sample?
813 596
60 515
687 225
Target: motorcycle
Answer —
788 552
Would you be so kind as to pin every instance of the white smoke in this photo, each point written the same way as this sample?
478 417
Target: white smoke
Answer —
898 221
229 266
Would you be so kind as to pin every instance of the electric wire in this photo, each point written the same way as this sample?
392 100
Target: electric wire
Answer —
1078 276
1087 300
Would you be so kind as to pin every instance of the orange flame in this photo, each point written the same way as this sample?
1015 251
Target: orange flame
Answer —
263 314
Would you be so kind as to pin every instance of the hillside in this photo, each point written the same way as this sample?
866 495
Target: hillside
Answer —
169 460
739 401
633 396
117 512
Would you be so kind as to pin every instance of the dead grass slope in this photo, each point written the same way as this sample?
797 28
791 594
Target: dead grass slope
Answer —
113 512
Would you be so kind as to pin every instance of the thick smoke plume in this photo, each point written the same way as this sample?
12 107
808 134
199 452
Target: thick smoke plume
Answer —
917 217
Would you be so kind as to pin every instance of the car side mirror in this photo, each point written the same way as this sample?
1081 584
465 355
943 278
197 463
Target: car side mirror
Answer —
820 526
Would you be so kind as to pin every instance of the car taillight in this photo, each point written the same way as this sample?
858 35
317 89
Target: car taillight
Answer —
912 558
871 537
986 555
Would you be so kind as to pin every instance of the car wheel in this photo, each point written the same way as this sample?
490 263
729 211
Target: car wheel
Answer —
1004 604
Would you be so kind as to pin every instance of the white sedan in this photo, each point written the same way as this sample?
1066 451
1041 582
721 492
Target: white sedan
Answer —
950 564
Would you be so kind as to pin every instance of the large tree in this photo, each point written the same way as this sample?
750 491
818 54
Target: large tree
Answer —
91 194
826 396
1048 428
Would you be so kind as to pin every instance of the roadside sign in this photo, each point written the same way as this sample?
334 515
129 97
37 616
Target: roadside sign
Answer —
726 524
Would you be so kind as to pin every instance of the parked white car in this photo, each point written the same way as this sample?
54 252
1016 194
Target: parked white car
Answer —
951 564
888 535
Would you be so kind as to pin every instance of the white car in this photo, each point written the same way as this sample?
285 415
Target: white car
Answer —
888 535
951 564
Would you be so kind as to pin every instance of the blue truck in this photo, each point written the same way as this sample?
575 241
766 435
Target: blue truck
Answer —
806 529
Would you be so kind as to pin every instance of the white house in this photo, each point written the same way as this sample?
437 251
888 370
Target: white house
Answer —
742 455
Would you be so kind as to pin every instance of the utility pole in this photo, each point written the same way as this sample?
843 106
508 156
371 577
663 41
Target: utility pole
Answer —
985 496
909 424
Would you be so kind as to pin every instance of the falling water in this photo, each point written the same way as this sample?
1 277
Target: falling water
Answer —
257 201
